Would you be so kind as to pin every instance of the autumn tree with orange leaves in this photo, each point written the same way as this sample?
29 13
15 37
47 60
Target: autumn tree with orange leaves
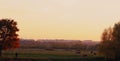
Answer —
8 36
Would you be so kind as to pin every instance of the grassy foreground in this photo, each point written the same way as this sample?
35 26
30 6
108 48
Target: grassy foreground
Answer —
45 55
53 59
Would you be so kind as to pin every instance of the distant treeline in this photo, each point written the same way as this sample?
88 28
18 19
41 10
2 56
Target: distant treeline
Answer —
59 44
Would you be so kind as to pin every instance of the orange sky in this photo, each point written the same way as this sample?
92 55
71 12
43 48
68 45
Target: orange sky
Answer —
61 19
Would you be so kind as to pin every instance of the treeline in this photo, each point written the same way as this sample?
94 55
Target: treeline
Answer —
58 44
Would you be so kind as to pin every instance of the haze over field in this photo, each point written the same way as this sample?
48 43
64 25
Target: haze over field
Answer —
61 19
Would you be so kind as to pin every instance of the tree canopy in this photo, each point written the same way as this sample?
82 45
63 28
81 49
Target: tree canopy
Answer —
8 36
109 46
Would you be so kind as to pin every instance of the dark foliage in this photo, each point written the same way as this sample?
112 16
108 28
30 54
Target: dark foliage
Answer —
8 36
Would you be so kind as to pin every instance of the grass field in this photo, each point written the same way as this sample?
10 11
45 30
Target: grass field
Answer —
54 55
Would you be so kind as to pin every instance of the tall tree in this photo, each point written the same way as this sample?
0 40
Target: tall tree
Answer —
8 36
109 46
116 39
105 47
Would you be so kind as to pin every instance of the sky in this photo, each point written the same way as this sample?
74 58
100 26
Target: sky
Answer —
61 19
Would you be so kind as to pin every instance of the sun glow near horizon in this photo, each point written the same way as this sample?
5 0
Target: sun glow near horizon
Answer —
61 19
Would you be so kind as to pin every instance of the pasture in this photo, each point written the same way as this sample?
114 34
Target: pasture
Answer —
51 55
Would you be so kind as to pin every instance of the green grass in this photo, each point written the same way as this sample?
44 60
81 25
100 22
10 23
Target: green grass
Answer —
32 55
56 55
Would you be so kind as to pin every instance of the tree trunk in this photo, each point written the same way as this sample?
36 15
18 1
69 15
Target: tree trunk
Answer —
0 51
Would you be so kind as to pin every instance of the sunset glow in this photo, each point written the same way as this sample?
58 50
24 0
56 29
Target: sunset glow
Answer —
61 19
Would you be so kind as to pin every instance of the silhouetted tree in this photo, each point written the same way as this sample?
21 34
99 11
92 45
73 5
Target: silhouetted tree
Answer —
116 39
106 42
8 36
110 42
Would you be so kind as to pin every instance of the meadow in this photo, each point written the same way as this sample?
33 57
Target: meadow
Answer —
50 55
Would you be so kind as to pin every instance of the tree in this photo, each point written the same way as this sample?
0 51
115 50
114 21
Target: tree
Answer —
109 46
105 46
116 39
8 36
